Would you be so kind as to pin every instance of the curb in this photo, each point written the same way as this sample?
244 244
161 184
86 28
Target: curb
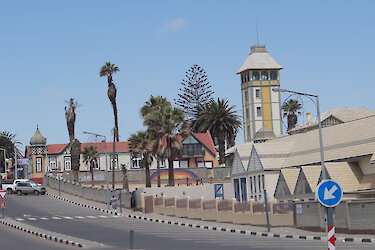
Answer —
230 230
42 235
84 205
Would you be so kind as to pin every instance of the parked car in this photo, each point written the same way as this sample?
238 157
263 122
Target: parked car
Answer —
7 185
16 182
28 188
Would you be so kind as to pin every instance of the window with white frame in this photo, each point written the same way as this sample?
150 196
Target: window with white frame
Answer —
136 162
52 164
116 162
39 164
67 163
259 111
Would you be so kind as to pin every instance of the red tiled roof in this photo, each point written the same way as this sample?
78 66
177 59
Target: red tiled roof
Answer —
121 146
206 139
55 148
58 148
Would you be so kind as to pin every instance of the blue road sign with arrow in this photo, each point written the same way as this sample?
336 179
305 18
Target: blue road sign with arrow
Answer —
329 193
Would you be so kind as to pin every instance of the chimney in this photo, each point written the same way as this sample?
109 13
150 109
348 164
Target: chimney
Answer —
308 116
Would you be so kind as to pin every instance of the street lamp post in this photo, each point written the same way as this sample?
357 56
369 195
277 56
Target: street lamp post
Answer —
15 161
329 211
106 163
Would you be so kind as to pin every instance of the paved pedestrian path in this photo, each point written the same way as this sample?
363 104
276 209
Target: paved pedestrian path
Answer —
274 230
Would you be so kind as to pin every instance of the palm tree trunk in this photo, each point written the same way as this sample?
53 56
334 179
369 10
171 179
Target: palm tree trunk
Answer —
92 173
125 183
158 170
114 160
221 142
147 170
75 158
170 164
116 120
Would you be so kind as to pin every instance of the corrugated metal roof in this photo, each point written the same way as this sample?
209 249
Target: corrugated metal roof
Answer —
343 114
312 174
259 58
291 176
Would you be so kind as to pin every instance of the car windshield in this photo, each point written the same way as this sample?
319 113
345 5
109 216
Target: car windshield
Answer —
33 184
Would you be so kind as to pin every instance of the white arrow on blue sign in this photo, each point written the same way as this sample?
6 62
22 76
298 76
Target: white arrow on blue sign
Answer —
329 193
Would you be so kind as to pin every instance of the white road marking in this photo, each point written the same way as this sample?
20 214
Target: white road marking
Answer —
31 218
79 217
91 217
68 218
19 219
44 218
56 218
103 216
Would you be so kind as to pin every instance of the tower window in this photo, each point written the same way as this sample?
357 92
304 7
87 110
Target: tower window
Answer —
38 164
273 75
264 75
242 78
259 111
246 96
257 93
246 77
255 75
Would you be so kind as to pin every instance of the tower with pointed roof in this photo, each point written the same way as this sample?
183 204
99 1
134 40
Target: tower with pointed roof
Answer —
38 147
261 106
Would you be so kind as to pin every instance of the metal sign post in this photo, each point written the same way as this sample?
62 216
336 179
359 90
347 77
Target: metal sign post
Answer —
3 205
119 191
329 194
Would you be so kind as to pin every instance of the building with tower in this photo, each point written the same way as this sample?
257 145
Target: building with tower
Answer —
261 106
38 147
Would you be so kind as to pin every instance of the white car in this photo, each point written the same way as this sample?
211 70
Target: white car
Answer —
10 184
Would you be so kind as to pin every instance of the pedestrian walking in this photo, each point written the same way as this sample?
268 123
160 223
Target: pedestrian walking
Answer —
113 203
133 201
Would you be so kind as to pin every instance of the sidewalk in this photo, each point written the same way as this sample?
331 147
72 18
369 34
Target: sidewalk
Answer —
274 230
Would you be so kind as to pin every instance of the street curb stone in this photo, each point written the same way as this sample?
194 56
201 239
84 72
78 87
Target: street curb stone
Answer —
41 235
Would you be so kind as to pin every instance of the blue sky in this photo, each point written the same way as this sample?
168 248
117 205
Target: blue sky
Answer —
53 50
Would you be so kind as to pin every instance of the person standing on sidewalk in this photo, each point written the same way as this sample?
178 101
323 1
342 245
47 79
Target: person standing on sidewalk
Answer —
113 203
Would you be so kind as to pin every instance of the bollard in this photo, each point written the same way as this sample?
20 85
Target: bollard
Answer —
131 239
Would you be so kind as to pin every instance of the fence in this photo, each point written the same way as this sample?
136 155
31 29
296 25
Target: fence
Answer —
250 212
351 216
90 193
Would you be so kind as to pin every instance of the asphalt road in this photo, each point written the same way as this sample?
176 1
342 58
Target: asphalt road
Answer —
51 214
11 239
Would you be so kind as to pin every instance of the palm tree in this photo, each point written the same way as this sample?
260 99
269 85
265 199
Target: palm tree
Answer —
9 143
168 125
107 70
139 145
222 122
157 104
70 117
290 108
91 156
